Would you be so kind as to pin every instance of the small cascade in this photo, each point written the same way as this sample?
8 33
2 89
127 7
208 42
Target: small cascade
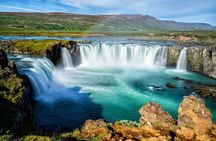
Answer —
182 60
39 71
123 54
66 58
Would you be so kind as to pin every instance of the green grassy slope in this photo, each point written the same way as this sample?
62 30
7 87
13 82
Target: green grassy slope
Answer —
32 23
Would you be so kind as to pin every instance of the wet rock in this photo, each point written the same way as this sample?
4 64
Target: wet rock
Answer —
3 58
170 85
153 112
172 55
54 54
74 50
194 118
206 91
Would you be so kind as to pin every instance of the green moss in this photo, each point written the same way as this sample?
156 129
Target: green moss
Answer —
35 47
99 137
6 137
36 138
11 85
157 124
75 135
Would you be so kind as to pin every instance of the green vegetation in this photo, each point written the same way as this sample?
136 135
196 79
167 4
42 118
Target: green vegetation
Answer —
36 138
11 85
35 47
189 37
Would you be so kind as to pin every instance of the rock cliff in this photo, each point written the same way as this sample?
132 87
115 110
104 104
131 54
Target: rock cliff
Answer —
201 59
15 98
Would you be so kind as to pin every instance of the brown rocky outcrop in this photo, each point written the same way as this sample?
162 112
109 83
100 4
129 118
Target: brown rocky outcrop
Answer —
194 119
194 124
153 112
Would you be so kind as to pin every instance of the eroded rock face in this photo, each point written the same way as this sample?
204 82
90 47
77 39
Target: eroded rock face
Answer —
201 59
74 50
153 112
194 119
54 54
173 54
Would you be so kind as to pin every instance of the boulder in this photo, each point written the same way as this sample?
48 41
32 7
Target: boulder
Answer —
170 85
194 118
93 128
153 112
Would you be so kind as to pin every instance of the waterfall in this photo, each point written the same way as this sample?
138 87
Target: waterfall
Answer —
39 72
182 60
123 54
66 58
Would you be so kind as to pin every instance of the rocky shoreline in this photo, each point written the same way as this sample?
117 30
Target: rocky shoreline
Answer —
194 123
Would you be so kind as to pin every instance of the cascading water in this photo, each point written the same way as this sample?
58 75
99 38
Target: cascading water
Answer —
123 54
182 60
66 58
39 71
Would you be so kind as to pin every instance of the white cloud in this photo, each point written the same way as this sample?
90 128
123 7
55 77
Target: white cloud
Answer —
110 4
18 8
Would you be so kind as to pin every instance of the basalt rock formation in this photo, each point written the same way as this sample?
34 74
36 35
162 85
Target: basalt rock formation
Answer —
194 123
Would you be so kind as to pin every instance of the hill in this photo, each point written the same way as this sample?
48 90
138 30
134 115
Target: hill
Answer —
65 22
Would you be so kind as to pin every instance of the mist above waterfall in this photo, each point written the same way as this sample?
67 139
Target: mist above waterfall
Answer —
105 54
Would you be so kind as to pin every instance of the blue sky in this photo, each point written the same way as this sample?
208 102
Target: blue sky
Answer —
203 11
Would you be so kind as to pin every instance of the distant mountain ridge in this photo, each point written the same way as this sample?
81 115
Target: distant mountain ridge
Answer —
93 23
